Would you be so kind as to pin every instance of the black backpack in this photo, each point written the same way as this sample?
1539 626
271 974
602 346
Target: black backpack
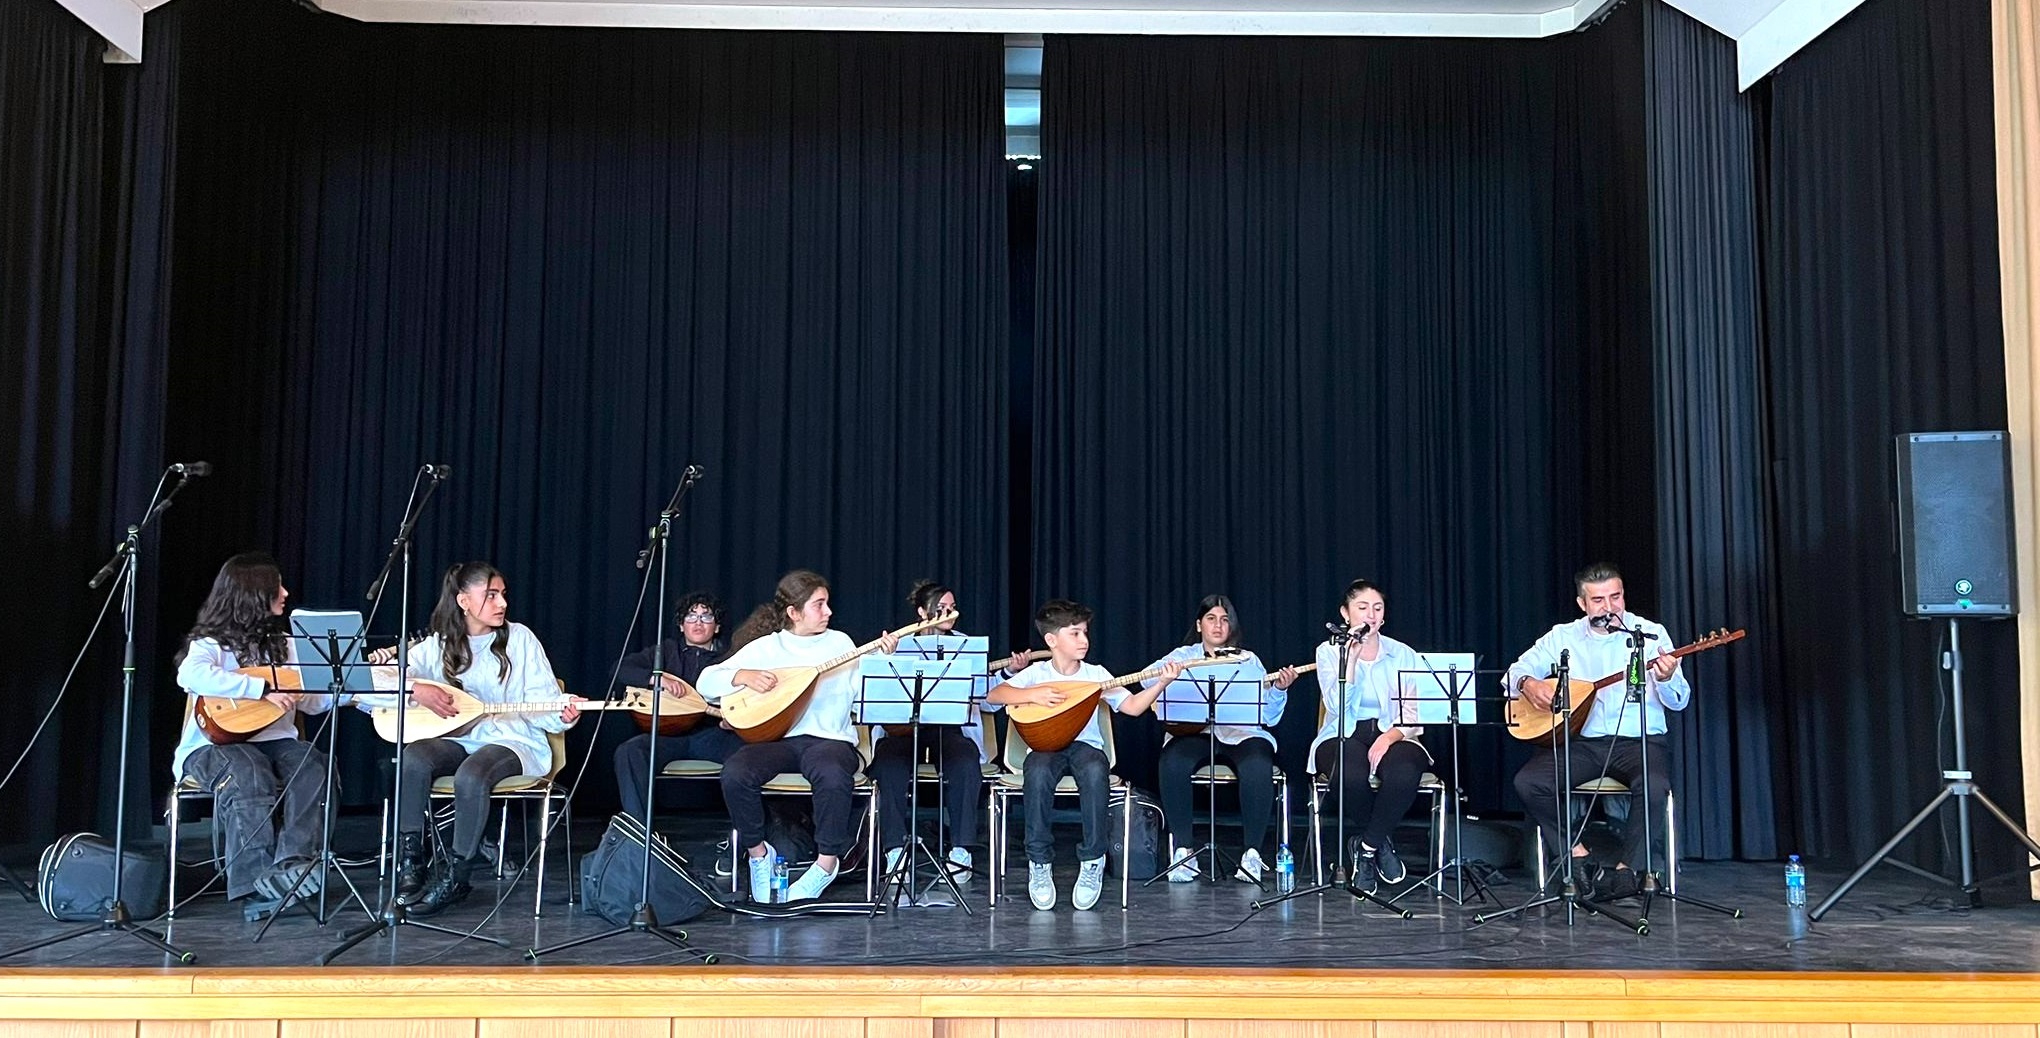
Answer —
1145 859
75 879
612 877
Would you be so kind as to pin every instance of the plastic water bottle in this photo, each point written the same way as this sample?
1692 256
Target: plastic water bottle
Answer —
1795 882
1285 871
781 879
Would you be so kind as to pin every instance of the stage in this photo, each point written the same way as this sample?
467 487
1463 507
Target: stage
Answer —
1185 960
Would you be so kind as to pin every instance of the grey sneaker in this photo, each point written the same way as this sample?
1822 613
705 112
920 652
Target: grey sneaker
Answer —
761 876
1090 883
1041 885
1185 870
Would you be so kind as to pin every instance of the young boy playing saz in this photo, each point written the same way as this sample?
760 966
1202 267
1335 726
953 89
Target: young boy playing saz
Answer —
1066 627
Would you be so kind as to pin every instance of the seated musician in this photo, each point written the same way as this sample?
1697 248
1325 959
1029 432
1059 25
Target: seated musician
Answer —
791 630
1610 741
1383 761
472 646
1066 627
960 755
1250 751
699 619
267 790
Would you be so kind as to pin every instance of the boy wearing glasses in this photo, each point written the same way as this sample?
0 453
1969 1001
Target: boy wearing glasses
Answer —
699 619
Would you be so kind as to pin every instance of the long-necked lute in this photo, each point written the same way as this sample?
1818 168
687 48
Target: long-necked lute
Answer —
422 723
1534 725
1051 728
679 712
1194 727
765 716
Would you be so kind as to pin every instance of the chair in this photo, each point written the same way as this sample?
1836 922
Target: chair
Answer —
793 783
1598 787
187 788
543 788
1010 785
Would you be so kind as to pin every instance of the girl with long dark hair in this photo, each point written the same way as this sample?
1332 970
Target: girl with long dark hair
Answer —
267 789
472 645
1384 761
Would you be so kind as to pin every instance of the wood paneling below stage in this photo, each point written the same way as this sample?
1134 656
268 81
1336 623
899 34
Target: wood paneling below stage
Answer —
1021 1003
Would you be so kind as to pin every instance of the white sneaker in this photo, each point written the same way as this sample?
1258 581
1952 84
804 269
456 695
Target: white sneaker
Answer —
1090 883
761 876
892 860
810 884
1041 885
959 863
1185 872
1252 868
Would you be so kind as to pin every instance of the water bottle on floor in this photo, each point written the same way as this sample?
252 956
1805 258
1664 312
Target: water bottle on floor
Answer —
1285 870
1795 882
780 881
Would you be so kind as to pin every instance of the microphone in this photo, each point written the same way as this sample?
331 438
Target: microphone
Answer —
191 469
1602 621
695 472
438 472
1342 632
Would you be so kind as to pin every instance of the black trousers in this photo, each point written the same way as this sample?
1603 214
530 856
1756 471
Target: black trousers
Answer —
1253 760
1538 782
248 780
1038 778
1375 809
828 765
634 758
474 776
963 782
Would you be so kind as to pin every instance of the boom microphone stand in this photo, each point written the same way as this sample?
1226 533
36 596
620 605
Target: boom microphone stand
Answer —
394 913
1344 640
642 918
126 561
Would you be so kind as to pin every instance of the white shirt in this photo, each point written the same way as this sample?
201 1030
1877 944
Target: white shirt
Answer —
1044 672
1245 667
1596 654
531 680
1373 699
828 709
208 670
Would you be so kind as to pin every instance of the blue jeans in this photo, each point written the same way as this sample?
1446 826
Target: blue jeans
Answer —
1085 763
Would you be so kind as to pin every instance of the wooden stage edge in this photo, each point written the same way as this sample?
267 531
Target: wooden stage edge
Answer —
1003 1003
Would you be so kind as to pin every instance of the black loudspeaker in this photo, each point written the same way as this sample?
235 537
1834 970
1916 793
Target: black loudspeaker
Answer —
1955 533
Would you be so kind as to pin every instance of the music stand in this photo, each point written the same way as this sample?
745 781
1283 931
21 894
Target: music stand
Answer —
1442 693
909 691
348 671
1208 699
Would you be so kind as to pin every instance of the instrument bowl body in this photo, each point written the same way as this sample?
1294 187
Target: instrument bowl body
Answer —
1048 729
228 721
765 716
420 723
1538 727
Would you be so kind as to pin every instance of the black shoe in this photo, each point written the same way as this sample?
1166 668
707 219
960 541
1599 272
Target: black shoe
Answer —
1389 867
448 888
412 866
1615 884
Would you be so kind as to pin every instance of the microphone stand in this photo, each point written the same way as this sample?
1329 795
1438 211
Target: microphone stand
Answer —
643 919
126 561
1561 800
1345 644
1647 881
394 913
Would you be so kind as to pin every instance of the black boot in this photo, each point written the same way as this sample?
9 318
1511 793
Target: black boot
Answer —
449 887
412 866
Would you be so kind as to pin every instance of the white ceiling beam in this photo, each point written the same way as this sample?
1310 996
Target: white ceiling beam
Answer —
118 22
1779 35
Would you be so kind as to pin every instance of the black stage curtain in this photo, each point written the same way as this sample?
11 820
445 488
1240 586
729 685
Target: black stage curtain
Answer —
1713 500
84 181
1881 284
568 263
1318 309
